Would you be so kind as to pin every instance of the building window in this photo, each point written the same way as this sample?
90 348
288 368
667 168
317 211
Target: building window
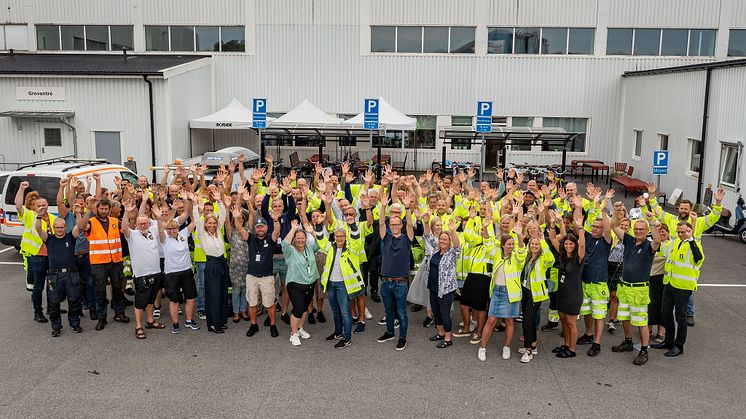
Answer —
675 42
665 42
422 39
392 139
638 144
702 42
527 40
580 41
554 41
52 137
729 157
662 141
462 40
695 156
737 43
14 37
460 143
424 134
409 39
500 41
383 39
83 38
521 121
576 125
195 38
436 39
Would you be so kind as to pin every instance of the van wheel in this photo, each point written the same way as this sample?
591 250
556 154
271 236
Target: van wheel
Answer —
742 236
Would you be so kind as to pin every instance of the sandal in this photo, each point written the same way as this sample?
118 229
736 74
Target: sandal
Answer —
437 337
236 319
444 344
154 325
139 333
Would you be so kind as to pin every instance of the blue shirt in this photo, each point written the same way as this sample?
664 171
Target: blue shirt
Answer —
432 277
596 261
395 254
637 260
81 244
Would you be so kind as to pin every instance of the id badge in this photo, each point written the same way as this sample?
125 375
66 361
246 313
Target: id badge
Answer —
562 279
258 258
308 269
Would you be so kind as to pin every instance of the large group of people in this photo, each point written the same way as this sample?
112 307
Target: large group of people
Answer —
225 250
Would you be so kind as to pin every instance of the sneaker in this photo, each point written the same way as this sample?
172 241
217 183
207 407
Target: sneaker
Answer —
534 351
286 318
374 296
382 322
482 354
461 333
175 329
302 333
157 313
333 336
585 340
360 328
475 338
295 340
610 327
191 324
519 319
549 327
595 349
40 318
273 331
473 325
78 329
401 344
641 358
201 315
343 344
527 356
368 316
625 346
499 328
428 322
56 333
385 338
252 330
461 323
416 307
321 318
690 321
506 352
121 318
396 323
93 315
311 318
659 339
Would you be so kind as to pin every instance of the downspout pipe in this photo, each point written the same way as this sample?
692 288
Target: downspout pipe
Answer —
152 123
705 117
75 134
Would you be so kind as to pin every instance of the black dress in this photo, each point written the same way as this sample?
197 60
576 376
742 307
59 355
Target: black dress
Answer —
570 291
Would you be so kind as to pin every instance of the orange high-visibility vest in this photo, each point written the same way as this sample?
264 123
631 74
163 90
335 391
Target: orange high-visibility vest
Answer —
105 246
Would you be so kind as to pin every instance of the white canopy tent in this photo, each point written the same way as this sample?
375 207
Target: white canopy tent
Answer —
306 115
234 116
390 118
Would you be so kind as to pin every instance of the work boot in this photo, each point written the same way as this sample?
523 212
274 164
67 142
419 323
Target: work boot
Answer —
641 358
40 318
690 321
101 324
625 346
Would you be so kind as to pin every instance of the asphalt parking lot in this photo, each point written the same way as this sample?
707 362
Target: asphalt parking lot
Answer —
111 374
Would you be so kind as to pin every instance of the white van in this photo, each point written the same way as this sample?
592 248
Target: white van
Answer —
44 177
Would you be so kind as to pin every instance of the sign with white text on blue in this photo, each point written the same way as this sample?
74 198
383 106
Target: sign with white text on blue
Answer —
259 113
370 107
484 117
660 162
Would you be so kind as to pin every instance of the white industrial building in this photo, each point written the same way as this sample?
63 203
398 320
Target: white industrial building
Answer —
544 63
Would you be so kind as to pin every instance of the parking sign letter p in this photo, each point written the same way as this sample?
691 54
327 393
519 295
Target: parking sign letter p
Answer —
660 158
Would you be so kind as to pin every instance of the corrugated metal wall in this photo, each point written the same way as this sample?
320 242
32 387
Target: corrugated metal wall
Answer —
190 96
194 12
318 12
665 13
738 15
77 12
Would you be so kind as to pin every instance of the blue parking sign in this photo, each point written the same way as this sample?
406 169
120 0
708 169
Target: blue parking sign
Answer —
259 113
370 117
484 116
660 162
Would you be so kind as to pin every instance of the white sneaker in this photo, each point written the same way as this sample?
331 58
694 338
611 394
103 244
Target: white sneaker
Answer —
295 340
506 352
526 358
523 351
396 323
157 313
473 325
461 323
482 354
302 333
368 316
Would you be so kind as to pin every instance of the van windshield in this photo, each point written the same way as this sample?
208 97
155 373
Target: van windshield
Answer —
46 186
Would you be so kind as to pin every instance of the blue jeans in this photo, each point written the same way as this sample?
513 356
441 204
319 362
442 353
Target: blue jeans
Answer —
340 304
395 292
38 266
239 299
690 306
200 285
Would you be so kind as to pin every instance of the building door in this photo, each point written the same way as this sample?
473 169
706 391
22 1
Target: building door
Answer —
108 146
55 140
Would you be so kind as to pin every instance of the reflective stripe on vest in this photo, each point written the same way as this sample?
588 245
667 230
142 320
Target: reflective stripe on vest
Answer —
105 246
351 275
684 273
30 240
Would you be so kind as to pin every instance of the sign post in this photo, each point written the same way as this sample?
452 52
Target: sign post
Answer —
483 125
660 165
259 121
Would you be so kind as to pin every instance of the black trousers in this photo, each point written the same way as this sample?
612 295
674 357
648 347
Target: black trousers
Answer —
216 291
108 272
61 286
530 310
442 309
372 272
674 307
655 308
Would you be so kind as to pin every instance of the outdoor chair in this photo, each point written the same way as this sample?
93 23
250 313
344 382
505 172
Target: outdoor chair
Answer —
620 168
399 165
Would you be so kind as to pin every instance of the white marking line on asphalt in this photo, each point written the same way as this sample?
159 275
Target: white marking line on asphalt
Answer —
721 285
11 263
5 250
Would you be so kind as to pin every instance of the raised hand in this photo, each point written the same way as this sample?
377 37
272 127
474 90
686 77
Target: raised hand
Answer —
500 173
294 224
452 225
694 218
719 195
610 193
156 210
286 188
293 175
241 158
275 215
23 185
269 159
385 199
166 168
365 201
641 202
651 188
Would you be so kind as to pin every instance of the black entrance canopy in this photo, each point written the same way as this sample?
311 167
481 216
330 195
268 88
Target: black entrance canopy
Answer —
504 136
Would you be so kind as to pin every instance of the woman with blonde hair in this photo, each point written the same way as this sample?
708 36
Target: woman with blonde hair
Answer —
299 249
534 290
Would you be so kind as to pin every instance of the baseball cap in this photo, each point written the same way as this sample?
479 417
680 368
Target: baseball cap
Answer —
261 222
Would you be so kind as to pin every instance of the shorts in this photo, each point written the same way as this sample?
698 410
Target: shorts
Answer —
300 296
280 267
180 286
146 290
595 300
500 305
260 284
633 304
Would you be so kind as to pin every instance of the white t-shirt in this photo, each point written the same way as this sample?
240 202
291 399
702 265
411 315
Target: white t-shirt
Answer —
176 253
144 252
336 274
